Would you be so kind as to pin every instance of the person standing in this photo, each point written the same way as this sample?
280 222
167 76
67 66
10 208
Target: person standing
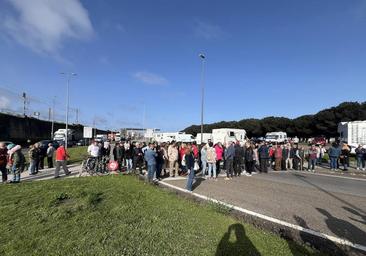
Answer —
159 161
150 158
173 156
189 160
334 153
3 162
229 156
50 152
211 161
360 153
204 160
345 156
137 158
61 160
263 153
312 158
219 154
238 158
33 159
278 157
16 161
249 159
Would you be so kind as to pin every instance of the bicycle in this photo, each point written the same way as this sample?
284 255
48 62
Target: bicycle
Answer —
94 166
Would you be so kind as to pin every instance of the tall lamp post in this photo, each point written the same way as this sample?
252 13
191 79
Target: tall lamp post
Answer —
68 75
203 59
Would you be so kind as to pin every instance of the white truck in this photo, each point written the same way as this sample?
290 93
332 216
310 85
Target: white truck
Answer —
101 137
226 135
72 136
276 137
205 139
173 136
353 133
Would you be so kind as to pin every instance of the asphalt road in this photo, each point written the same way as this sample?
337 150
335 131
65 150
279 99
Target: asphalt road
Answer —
332 205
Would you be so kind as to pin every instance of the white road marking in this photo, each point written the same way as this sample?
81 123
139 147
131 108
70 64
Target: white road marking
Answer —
271 219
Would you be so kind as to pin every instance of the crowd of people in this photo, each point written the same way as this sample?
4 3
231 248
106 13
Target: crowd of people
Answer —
13 160
235 159
187 159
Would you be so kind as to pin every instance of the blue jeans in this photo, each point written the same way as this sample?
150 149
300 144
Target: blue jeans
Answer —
32 166
212 167
204 166
333 163
190 180
16 173
151 169
312 163
360 162
129 164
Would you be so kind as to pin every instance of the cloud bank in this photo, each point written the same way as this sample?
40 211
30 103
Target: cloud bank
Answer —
150 78
43 25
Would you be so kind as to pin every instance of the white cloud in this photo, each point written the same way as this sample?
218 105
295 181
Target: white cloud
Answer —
43 25
207 31
4 102
150 78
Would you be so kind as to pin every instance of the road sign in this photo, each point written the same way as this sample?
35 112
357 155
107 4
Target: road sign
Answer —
88 132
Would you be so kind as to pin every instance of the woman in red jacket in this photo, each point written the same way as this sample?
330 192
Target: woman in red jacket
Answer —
219 152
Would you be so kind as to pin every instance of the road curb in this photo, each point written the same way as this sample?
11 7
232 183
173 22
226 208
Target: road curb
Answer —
323 242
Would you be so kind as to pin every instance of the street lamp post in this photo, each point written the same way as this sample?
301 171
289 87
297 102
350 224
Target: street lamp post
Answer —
67 105
203 58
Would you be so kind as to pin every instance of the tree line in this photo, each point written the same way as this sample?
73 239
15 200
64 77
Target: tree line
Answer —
325 122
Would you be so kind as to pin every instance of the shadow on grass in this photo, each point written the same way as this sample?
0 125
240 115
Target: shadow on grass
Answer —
239 246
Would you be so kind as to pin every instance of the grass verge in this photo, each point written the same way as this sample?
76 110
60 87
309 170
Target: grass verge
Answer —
119 215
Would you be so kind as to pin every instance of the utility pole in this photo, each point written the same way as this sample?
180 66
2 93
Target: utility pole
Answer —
77 116
24 96
53 116
49 114
203 58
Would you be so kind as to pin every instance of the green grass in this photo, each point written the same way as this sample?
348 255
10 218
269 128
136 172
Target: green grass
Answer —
76 154
119 215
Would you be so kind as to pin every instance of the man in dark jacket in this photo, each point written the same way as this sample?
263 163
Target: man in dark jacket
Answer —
117 155
137 158
263 153
238 158
3 162
229 156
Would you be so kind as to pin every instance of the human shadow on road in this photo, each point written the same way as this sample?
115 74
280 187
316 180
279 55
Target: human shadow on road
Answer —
304 237
357 214
197 183
304 179
344 229
240 246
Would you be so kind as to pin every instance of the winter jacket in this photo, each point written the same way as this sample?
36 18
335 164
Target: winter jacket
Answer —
312 153
195 151
263 152
172 153
334 152
18 160
230 153
239 151
150 156
278 153
249 155
219 151
360 152
61 154
3 156
211 155
34 154
189 161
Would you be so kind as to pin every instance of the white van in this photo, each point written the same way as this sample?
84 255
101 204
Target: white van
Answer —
276 137
226 135
206 138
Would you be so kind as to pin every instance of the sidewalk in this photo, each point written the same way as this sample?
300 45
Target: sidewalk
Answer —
49 173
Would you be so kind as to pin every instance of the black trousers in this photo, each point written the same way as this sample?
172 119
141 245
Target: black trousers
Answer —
41 162
249 166
50 162
263 162
4 173
237 166
218 162
229 167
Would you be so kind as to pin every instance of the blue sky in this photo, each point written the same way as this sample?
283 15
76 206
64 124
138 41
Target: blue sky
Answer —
264 58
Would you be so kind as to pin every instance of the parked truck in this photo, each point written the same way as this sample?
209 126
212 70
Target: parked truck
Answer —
226 135
353 133
276 137
72 136
173 136
206 138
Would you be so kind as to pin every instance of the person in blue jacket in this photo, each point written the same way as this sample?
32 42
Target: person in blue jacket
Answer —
150 158
334 153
